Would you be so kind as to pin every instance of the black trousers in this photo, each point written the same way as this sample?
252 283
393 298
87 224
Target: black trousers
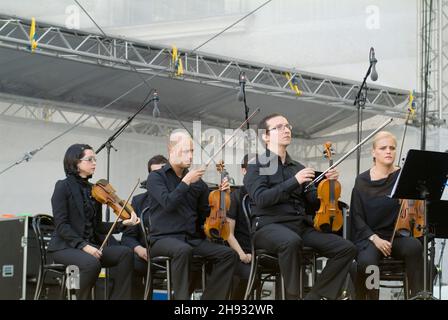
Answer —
221 258
240 279
138 277
119 257
287 240
408 249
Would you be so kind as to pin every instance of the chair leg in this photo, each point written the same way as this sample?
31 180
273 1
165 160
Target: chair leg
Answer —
282 285
258 287
203 277
92 292
168 280
62 290
148 281
252 275
39 284
406 287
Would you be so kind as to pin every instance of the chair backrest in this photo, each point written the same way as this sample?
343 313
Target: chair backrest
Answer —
246 209
43 226
145 229
247 215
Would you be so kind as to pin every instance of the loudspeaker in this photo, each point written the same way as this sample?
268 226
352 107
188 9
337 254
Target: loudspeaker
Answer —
13 257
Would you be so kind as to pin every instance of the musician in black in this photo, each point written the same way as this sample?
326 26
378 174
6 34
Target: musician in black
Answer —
133 236
239 238
373 215
79 230
178 205
276 186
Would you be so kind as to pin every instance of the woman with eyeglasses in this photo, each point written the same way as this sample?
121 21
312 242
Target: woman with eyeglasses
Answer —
79 230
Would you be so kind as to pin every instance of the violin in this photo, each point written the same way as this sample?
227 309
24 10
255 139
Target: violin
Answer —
411 219
329 216
216 225
104 193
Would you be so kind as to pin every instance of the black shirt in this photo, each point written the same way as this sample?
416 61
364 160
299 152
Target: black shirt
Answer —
276 195
236 213
89 208
176 209
371 210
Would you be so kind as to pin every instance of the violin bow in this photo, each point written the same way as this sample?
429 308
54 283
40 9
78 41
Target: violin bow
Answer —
231 137
118 216
347 154
410 114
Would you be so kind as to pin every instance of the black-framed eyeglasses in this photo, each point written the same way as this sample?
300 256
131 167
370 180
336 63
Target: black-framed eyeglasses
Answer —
281 127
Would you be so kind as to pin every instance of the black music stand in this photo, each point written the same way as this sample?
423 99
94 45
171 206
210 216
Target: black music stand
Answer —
423 177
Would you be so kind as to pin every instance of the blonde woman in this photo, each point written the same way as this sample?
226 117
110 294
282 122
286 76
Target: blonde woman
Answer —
373 215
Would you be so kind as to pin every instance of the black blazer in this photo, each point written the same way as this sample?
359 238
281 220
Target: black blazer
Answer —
69 217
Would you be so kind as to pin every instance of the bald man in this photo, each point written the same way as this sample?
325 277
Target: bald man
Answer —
178 205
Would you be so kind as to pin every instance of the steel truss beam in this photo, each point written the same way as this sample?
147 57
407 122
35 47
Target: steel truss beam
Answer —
70 114
433 58
201 68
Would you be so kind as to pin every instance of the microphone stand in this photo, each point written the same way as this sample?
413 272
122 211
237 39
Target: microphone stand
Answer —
242 79
246 108
360 102
439 268
108 145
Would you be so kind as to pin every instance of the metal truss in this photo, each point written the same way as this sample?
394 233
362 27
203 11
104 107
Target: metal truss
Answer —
71 114
443 18
433 58
12 106
198 67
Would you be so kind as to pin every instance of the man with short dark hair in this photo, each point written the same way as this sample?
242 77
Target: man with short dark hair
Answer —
133 236
276 186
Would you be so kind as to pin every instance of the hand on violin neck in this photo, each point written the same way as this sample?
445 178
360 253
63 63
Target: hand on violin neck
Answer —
132 221
332 174
225 185
193 175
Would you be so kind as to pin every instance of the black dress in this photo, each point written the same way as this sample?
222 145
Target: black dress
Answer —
373 212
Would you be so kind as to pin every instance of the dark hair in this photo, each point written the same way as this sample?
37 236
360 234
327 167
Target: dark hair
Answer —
158 159
72 157
263 124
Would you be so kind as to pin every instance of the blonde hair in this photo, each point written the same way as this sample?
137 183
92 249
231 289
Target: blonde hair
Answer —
381 135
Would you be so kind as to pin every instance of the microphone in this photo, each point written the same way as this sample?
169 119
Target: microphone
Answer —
373 61
155 99
242 84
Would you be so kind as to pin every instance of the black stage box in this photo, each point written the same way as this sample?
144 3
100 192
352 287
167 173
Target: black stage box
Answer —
13 257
